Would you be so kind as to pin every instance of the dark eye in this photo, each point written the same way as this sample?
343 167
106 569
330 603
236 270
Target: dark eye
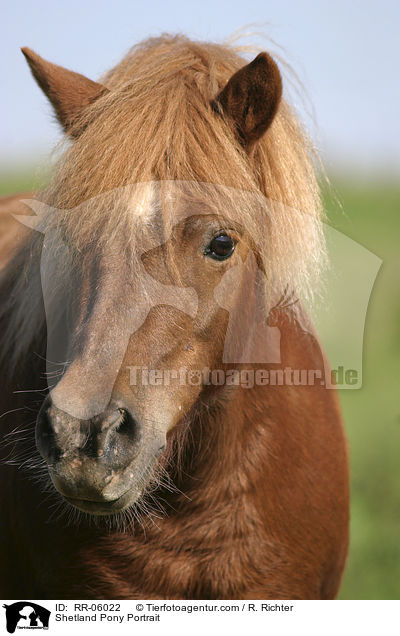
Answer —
221 247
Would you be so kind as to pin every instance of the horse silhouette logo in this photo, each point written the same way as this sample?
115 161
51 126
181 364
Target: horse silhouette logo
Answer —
261 327
26 615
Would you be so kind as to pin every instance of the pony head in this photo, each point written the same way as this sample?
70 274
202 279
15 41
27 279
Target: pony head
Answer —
184 204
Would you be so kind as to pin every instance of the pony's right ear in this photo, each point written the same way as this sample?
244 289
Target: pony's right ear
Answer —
69 93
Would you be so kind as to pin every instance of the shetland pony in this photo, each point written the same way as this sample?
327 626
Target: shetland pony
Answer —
184 210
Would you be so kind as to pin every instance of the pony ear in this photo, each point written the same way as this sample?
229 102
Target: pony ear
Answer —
251 98
68 92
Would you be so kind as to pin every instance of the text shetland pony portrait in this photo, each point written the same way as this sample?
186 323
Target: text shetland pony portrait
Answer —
241 492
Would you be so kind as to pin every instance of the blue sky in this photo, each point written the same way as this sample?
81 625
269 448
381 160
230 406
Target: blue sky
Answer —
346 54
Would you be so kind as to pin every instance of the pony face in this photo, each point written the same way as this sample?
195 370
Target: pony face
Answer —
132 327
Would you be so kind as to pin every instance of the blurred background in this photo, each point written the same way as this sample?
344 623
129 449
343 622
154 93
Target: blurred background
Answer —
346 55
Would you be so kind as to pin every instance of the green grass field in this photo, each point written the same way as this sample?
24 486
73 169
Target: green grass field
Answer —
370 215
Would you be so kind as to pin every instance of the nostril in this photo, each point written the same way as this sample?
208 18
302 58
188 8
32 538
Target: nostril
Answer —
45 438
127 426
121 442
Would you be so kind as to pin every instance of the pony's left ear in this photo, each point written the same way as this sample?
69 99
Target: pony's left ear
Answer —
69 92
251 98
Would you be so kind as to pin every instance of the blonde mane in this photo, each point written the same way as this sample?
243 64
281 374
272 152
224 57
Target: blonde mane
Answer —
156 124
